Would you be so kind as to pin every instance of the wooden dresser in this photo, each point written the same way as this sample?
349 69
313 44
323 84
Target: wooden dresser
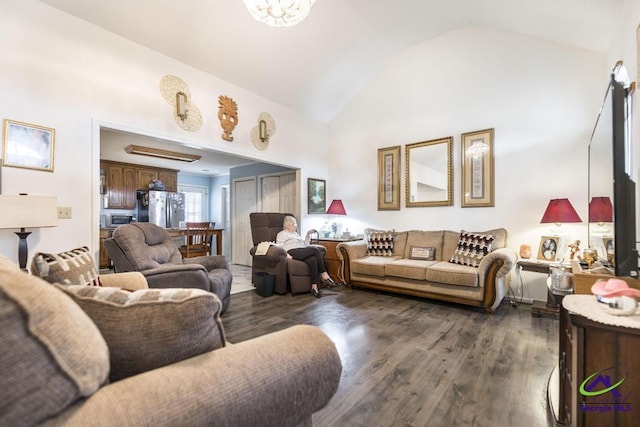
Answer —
599 366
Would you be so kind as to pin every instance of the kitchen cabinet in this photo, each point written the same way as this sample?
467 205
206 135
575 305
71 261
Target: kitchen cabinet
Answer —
598 364
121 182
123 179
145 176
169 179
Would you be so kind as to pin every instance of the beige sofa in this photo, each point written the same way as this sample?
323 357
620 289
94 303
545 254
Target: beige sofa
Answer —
78 355
484 285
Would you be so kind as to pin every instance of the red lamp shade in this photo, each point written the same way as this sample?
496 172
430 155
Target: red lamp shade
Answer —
558 211
336 208
600 210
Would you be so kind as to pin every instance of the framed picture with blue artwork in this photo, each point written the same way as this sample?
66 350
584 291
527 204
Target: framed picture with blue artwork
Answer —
28 146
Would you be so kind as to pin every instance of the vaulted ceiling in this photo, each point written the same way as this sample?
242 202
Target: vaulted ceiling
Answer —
316 66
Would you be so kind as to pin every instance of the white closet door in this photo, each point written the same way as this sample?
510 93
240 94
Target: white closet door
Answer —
244 202
270 194
288 199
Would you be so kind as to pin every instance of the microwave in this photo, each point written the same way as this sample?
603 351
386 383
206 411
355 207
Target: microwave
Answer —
117 220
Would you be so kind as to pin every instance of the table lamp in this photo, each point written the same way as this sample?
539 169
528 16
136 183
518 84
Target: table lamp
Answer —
559 211
23 212
600 210
600 239
336 208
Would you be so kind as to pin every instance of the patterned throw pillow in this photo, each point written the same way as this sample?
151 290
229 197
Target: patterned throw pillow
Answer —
75 267
150 328
471 248
379 242
422 253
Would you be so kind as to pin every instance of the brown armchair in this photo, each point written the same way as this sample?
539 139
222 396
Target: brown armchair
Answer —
147 248
290 275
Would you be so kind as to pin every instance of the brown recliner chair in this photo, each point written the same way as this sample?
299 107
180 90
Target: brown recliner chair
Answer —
147 248
290 275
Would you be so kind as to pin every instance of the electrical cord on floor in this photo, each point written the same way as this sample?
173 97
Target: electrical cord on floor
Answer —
511 296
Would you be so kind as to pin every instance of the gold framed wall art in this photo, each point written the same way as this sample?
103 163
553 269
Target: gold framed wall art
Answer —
478 182
28 146
389 178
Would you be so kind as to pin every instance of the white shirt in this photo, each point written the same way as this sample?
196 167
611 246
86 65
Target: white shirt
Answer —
290 240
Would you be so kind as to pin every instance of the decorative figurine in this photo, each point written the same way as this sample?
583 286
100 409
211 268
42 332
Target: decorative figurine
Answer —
228 115
574 251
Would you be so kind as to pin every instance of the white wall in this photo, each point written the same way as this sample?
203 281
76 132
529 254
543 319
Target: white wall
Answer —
60 72
541 97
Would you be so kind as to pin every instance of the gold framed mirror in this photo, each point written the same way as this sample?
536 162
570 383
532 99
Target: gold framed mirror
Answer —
429 173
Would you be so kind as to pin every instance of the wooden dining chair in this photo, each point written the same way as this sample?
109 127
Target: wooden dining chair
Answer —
198 239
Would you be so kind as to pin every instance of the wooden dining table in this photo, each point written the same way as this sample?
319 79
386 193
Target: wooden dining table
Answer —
216 232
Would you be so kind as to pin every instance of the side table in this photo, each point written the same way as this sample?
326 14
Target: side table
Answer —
331 259
554 298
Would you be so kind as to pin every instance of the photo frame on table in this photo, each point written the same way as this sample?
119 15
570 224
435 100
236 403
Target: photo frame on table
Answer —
608 249
28 146
316 196
549 248
478 182
389 178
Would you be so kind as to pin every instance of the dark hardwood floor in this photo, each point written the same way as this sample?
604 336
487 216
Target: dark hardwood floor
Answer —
415 362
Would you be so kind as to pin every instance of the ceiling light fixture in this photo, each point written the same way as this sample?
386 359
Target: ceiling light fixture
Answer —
279 13
162 154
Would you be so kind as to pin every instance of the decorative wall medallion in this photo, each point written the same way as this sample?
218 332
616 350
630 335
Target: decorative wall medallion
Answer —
177 94
264 130
228 115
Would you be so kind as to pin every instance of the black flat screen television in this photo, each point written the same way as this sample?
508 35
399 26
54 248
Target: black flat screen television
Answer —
611 160
624 188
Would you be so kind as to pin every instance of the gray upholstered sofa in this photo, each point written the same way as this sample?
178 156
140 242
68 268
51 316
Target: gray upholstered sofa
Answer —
484 285
73 355
147 248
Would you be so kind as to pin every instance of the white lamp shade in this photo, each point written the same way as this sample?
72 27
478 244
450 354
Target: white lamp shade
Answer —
28 211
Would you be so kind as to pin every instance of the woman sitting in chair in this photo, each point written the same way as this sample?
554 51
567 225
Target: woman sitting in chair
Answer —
299 249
